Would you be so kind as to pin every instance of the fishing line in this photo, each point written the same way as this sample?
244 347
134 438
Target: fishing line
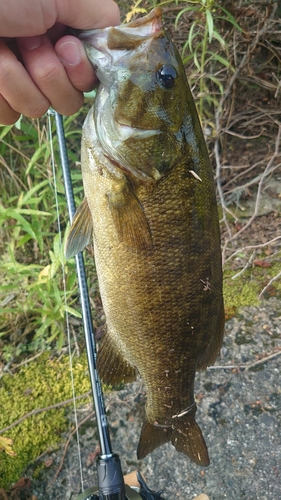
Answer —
49 114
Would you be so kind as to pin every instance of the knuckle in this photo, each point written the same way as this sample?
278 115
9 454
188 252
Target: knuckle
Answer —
46 73
37 108
18 94
68 107
7 71
8 116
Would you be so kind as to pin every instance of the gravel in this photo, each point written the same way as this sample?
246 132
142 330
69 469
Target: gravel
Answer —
239 413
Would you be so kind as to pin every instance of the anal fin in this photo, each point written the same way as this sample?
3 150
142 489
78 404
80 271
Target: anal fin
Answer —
80 232
112 367
129 218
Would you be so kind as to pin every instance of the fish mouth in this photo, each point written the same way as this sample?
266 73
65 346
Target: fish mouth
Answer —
104 47
154 17
148 25
108 50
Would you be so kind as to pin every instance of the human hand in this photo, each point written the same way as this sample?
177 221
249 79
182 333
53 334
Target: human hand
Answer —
40 66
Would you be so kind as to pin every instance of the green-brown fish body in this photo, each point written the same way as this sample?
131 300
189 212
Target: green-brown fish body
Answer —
150 204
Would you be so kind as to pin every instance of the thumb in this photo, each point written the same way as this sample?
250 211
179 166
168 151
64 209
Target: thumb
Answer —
76 64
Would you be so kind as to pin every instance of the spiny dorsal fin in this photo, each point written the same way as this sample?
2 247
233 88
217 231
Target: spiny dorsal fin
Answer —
80 232
129 219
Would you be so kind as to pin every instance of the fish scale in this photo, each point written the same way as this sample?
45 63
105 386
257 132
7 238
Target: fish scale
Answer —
150 206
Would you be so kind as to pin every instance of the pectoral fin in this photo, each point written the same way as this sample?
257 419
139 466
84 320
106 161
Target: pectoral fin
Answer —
81 230
129 218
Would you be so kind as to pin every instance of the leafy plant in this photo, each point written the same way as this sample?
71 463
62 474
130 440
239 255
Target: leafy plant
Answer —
135 9
33 271
203 31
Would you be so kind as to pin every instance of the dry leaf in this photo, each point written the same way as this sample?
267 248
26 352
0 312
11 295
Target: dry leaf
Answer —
262 263
135 10
21 484
202 497
3 494
92 456
48 462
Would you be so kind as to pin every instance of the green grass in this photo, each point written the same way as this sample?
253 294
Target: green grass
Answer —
32 300
206 48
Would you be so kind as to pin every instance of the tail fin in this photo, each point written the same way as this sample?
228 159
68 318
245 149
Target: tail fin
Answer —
185 435
151 437
188 439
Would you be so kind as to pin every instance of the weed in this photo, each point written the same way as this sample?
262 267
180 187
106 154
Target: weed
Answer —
32 265
205 48
202 32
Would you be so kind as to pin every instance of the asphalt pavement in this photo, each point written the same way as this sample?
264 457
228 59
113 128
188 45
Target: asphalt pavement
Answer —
239 410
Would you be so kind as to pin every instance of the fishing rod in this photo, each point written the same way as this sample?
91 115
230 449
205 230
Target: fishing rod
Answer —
111 484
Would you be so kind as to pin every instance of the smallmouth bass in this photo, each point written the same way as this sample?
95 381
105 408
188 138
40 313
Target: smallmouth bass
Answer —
150 207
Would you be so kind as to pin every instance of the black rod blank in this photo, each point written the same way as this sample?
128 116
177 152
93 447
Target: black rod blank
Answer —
103 430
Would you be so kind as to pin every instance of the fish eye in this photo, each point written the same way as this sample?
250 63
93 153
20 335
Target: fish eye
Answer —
166 76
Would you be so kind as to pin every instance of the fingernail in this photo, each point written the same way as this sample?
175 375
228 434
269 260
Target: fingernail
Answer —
69 53
30 42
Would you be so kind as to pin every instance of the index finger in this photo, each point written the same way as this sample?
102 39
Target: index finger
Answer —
88 14
21 18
